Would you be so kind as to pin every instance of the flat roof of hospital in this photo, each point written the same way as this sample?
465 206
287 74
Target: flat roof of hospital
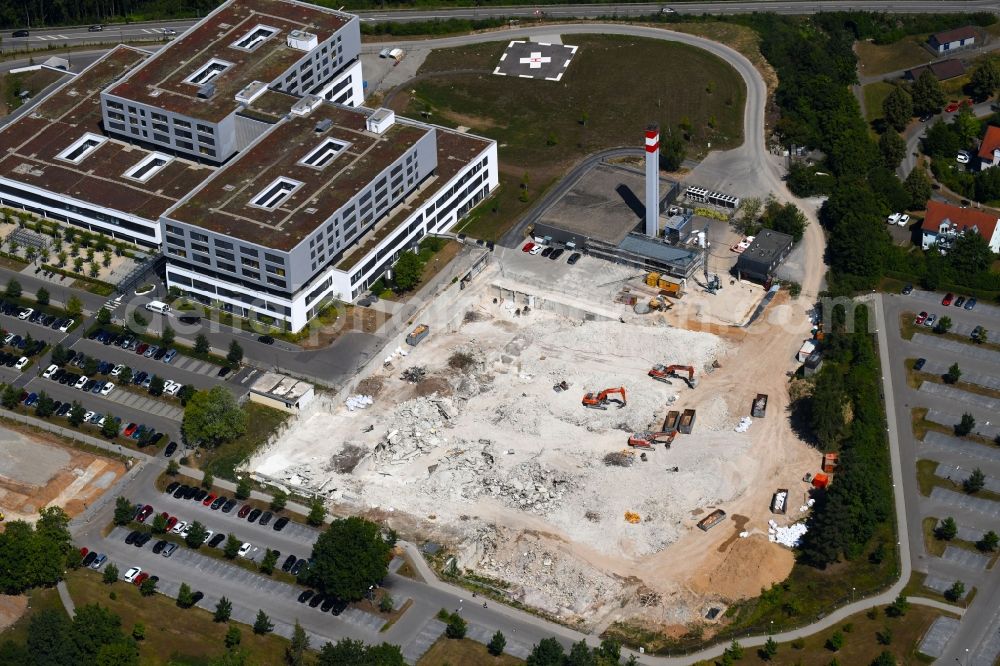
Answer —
224 204
30 147
161 81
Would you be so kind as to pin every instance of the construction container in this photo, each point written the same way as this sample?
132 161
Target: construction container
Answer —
759 406
418 334
712 519
821 480
686 424
672 288
670 423
830 462
779 501
652 279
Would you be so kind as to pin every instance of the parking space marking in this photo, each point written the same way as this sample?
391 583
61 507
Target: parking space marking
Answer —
958 395
963 447
977 504
422 642
957 348
949 420
937 637
951 472
989 647
979 378
484 635
940 585
965 558
966 329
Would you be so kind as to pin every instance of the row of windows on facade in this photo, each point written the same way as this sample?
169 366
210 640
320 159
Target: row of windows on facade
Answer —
220 244
250 288
148 233
160 118
185 145
222 292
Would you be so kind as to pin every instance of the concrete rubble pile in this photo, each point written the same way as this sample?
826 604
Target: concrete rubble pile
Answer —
744 424
787 536
358 402
414 429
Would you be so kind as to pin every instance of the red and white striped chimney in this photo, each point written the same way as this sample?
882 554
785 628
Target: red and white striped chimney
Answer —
652 179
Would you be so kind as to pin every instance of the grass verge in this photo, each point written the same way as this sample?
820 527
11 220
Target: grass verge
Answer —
928 479
915 588
875 94
463 651
174 635
262 422
875 59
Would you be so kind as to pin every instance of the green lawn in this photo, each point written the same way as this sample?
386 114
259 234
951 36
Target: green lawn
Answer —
875 59
875 94
39 599
543 127
464 652
261 423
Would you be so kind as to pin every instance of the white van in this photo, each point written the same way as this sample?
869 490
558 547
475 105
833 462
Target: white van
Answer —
158 306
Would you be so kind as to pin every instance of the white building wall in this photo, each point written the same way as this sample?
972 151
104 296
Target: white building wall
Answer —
354 89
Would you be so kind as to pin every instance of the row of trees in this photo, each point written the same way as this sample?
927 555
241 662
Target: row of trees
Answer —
34 556
94 636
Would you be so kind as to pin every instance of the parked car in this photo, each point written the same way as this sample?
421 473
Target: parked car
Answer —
266 339
142 539
107 388
919 365
265 518
216 540
921 318
971 303
528 247
948 298
132 574
169 549
89 559
931 320
244 510
573 258
288 563
140 579
179 527
21 363
907 289
538 249
280 523
217 504
305 596
99 561
169 451
25 313
49 371
170 356
962 157
229 505
245 549
558 252
174 485
146 512
960 301
159 546
209 499
254 515
547 251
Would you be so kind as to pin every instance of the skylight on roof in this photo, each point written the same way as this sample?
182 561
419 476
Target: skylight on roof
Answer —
254 38
82 147
324 153
275 194
209 71
148 167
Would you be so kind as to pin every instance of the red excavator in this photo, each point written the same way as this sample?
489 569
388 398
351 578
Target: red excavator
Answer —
649 440
601 400
660 373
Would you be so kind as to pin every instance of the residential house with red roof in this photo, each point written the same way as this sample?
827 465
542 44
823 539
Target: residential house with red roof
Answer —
945 222
989 149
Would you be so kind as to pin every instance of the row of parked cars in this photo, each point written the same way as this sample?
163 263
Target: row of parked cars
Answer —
549 251
129 342
215 503
79 360
26 347
34 316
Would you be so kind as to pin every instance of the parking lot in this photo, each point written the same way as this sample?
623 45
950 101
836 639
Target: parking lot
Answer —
955 456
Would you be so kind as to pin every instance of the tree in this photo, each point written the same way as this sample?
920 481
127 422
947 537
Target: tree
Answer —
953 375
185 394
111 573
139 629
967 126
317 512
63 257
156 385
213 417
13 289
965 426
159 523
243 488
235 354
201 345
746 222
970 254
207 480
386 603
125 376
232 547
90 366
74 306
78 264
980 337
892 147
885 658
348 652
884 637
928 98
985 80
975 482
196 536
148 587
110 427
407 271
270 560
735 650
42 296
11 397
59 354
168 336
947 530
835 642
786 218
233 636
349 557
580 654
103 316
278 500
989 542
898 607
497 644
956 591
223 610
918 184
943 325
770 649
456 626
185 597
898 108
672 153
173 467
45 405
262 625
295 653
123 511
76 414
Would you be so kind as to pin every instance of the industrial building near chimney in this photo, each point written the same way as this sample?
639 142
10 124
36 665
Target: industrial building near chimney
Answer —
242 151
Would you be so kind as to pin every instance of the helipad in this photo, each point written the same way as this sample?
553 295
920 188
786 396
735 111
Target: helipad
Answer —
535 60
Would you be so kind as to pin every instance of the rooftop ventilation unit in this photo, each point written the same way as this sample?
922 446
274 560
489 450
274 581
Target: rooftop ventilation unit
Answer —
323 125
306 105
381 120
302 40
251 92
206 91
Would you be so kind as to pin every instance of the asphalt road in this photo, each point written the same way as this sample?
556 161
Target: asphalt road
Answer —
982 621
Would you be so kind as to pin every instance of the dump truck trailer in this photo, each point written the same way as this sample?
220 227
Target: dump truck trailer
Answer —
712 519
418 334
670 423
759 406
779 501
686 424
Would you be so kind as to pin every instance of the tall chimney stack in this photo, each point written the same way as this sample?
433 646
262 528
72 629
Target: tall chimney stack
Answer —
652 179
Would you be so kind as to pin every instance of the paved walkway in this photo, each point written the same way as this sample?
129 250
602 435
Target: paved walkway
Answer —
67 601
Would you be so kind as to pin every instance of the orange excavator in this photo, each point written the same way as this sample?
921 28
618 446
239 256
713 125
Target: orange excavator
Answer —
649 440
602 399
660 373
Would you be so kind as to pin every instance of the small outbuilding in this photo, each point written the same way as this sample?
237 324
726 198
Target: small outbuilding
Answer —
952 40
281 392
759 261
